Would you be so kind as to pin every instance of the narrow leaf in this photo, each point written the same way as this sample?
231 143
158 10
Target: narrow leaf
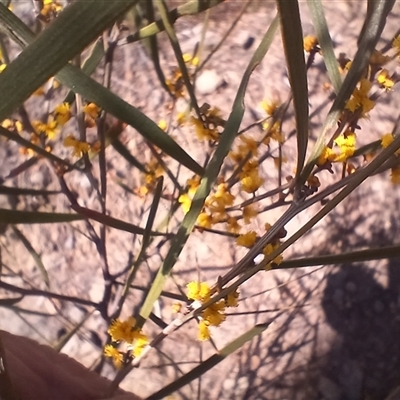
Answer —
74 29
93 91
178 53
209 363
357 178
31 217
211 174
151 44
112 222
77 80
292 36
146 240
66 338
124 152
15 191
89 65
381 253
372 33
192 7
153 211
19 169
325 41
34 254
26 143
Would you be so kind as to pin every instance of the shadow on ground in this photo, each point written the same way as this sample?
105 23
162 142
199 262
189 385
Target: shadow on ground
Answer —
365 358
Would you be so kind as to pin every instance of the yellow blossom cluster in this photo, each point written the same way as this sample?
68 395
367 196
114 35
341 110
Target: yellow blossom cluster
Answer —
396 44
185 199
163 125
49 129
191 59
43 131
214 210
155 171
249 239
359 100
3 65
386 140
220 200
203 132
213 315
251 181
360 103
246 154
270 107
273 131
16 126
62 113
78 147
51 8
345 148
12 125
310 43
249 212
385 80
347 145
207 128
395 175
92 112
125 332
176 85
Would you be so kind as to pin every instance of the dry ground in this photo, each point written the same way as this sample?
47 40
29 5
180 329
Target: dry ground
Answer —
334 332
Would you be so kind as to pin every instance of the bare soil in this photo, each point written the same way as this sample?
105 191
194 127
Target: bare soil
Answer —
334 330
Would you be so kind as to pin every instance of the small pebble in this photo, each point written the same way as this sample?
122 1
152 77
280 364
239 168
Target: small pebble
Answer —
208 82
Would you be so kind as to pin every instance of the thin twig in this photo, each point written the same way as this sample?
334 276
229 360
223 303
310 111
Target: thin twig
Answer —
38 292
